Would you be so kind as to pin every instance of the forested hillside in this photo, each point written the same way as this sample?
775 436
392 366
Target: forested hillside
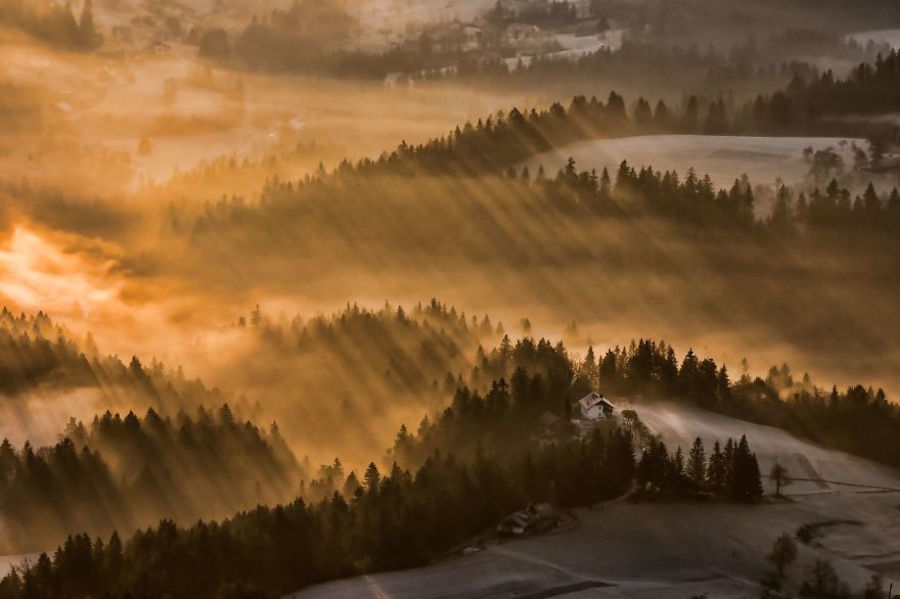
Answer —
476 461
124 472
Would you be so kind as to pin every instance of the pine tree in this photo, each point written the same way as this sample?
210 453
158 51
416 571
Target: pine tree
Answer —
678 462
728 459
717 473
589 368
696 468
372 478
746 482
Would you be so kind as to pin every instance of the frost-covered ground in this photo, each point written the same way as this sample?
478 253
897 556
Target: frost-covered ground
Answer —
723 158
681 549
575 46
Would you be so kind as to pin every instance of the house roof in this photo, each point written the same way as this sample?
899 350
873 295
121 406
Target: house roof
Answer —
593 399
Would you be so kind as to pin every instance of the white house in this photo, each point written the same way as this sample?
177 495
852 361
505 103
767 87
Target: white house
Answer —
594 406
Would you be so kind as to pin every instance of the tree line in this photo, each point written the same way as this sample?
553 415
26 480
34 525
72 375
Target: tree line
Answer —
800 108
122 472
476 461
860 420
691 201
379 521
731 472
54 24
37 353
407 348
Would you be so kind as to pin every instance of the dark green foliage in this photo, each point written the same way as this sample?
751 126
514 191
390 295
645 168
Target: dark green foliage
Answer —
861 420
396 520
430 499
35 353
409 350
419 182
663 475
121 472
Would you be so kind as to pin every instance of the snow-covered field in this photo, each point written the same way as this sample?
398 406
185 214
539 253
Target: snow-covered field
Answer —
723 158
574 46
681 549
830 470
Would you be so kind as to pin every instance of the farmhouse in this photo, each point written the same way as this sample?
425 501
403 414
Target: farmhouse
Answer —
594 406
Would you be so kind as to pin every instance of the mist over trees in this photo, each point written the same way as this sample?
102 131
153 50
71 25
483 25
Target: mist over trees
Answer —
298 38
394 520
37 354
123 472
371 520
408 349
458 473
201 183
53 24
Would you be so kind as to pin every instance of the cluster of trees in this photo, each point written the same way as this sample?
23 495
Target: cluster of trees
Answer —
55 24
45 492
35 353
384 521
28 357
870 88
695 201
454 477
544 377
497 142
691 201
409 350
821 581
646 64
494 145
860 420
300 38
342 378
123 472
544 14
730 473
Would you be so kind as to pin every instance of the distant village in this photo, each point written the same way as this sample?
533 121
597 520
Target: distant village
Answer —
513 33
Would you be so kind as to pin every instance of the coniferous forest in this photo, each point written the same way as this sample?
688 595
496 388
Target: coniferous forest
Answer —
469 298
454 477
